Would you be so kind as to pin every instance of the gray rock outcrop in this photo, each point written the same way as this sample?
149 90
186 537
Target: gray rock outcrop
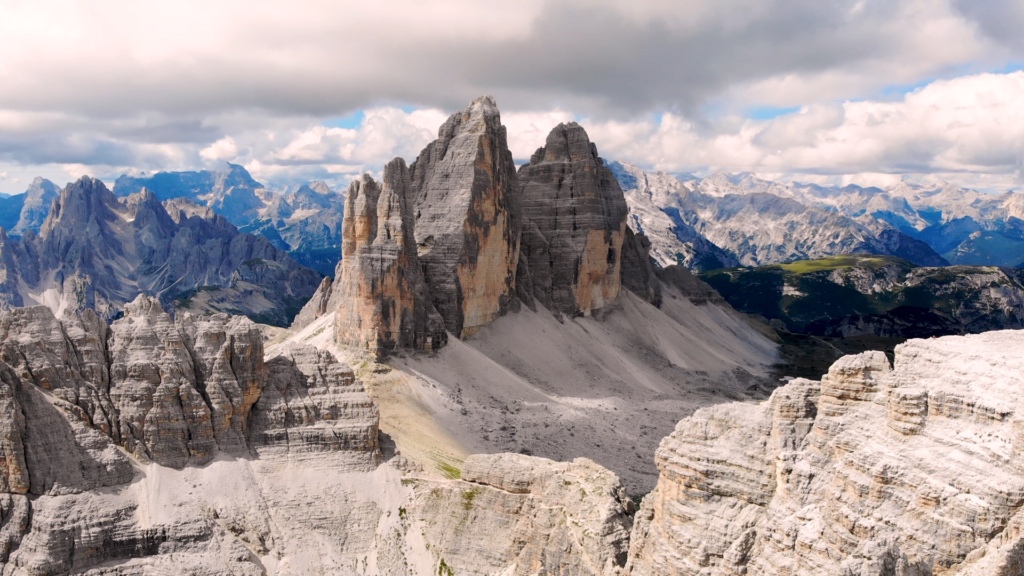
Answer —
574 216
384 302
326 300
543 517
465 199
169 445
639 271
170 391
873 470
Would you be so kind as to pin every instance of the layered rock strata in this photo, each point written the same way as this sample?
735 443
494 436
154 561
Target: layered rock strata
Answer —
384 302
464 196
171 391
872 470
542 517
170 446
574 223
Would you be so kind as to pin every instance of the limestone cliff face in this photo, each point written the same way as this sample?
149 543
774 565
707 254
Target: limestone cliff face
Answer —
874 470
171 446
170 391
639 275
545 517
574 223
468 227
384 303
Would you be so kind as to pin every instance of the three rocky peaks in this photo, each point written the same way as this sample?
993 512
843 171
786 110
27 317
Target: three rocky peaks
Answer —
459 238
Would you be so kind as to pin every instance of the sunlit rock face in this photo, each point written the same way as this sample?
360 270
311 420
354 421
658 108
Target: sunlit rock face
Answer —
911 469
574 223
383 301
464 196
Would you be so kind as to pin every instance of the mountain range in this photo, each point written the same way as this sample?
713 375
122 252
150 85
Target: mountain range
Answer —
305 221
727 220
493 319
96 251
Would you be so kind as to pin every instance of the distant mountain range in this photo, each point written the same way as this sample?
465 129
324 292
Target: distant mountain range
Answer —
737 219
94 250
305 222
720 221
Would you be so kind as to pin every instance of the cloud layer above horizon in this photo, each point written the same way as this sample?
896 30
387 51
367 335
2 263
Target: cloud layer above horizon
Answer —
829 91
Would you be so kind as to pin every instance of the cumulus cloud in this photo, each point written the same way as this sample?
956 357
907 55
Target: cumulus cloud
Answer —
224 149
110 58
143 86
969 129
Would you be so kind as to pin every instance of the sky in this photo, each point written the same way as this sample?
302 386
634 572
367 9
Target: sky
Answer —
833 92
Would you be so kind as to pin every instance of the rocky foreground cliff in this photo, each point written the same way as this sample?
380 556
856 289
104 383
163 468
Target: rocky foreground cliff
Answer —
874 470
157 444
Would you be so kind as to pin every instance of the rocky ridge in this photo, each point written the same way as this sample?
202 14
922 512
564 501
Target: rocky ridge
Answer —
842 476
158 444
95 251
754 222
837 476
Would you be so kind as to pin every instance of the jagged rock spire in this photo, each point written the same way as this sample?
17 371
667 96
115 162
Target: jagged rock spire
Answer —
468 225
385 304
574 223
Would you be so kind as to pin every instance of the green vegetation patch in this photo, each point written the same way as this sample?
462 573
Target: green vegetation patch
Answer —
468 496
448 469
839 262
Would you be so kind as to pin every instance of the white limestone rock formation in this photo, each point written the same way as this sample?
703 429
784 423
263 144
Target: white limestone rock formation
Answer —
171 446
912 469
536 516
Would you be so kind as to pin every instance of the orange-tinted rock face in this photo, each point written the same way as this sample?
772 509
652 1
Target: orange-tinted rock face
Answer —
384 302
574 223
467 218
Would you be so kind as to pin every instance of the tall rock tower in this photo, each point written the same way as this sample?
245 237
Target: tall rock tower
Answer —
385 304
574 223
468 226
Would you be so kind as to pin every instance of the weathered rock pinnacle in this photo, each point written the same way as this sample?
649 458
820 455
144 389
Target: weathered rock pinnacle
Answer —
574 223
468 226
385 304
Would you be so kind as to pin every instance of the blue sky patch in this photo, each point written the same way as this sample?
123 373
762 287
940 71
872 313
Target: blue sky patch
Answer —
770 112
352 121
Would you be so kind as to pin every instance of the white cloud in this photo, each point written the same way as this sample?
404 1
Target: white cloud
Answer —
111 87
969 130
224 149
182 58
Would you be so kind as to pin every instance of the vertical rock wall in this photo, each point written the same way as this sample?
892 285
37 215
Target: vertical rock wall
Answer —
575 223
384 303
464 196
